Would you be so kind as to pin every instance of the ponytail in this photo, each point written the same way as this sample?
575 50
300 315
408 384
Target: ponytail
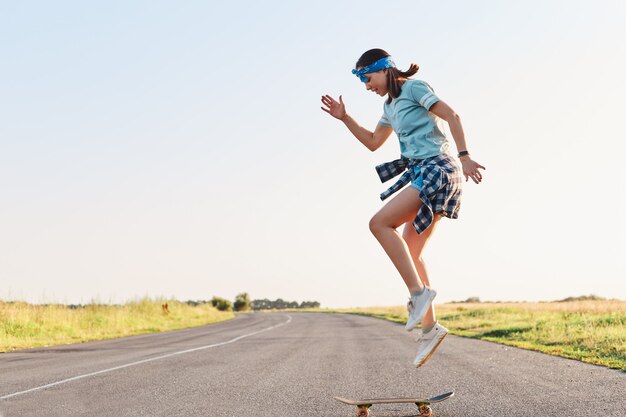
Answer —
393 80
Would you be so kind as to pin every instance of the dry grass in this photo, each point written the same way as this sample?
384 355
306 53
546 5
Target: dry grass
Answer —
25 325
586 307
582 307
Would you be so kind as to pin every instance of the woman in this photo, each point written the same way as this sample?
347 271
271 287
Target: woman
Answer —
414 112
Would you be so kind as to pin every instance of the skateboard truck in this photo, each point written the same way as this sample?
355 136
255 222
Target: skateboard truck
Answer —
424 410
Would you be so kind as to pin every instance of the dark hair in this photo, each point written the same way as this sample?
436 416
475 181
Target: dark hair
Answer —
394 85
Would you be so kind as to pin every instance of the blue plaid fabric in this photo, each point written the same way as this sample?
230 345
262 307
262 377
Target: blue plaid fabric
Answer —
441 192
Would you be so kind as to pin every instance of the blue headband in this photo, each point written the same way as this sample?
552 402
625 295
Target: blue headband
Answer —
382 63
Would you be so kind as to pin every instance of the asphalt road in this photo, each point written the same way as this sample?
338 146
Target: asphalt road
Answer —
288 365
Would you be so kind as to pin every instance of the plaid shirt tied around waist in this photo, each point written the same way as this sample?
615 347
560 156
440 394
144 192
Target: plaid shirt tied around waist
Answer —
441 191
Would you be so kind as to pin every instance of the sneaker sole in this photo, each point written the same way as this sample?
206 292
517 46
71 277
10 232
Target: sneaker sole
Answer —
431 352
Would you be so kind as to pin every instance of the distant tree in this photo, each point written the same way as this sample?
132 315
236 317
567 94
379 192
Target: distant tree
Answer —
242 302
279 304
263 304
309 304
584 298
221 304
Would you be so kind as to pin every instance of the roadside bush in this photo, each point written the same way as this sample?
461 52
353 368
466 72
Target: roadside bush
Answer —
242 302
221 304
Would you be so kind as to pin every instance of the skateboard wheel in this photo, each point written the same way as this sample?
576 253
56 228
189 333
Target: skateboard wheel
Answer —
425 411
362 412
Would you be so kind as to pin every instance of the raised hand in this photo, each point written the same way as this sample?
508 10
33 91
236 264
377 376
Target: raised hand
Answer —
335 108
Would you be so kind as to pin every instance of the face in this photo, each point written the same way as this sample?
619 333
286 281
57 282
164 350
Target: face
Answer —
377 82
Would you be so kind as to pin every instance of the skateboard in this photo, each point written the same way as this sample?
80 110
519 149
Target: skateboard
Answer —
422 404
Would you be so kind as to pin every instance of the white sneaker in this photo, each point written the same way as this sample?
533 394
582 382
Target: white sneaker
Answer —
418 306
428 342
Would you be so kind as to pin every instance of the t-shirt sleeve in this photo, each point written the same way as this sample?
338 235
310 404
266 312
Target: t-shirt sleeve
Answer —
423 94
384 121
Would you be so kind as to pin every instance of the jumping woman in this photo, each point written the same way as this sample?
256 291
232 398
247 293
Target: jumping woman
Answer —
414 113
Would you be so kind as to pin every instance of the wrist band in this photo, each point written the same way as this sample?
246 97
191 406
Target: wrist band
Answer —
463 153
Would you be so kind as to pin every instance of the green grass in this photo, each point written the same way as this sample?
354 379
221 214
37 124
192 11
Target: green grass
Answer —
25 325
588 331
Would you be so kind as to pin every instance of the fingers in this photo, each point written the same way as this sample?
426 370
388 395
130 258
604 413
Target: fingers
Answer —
474 175
328 99
467 177
471 170
328 103
334 108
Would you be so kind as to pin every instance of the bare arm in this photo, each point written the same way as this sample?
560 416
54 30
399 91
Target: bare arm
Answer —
371 140
470 167
444 111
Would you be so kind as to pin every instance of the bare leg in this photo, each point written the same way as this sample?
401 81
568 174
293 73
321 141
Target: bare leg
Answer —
398 211
416 243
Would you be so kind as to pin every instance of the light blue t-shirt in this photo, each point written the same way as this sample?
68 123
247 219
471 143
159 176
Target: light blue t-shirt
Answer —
418 130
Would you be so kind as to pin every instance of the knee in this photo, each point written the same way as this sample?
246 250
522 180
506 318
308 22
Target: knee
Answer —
379 224
376 225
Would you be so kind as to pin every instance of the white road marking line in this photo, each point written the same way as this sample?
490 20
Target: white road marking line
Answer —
144 361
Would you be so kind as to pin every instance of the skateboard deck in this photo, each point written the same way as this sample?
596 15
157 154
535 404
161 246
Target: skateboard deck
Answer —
422 404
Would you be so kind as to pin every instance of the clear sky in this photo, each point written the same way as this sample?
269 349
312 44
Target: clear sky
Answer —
178 149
